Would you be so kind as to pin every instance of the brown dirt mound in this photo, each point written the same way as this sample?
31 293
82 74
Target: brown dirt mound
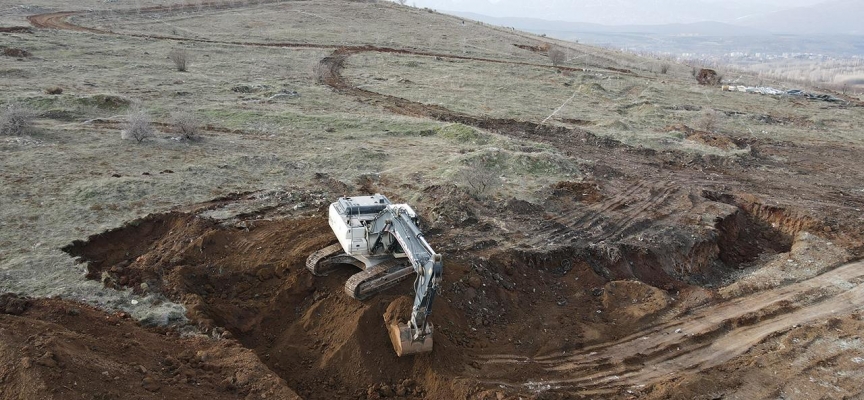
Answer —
717 140
59 349
707 76
633 300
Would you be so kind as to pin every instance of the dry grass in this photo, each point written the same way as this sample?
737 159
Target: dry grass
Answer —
634 109
709 121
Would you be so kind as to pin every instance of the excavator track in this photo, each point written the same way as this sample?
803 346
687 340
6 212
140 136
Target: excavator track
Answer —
314 264
374 279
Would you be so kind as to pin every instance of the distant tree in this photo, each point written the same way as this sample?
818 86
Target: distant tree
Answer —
557 56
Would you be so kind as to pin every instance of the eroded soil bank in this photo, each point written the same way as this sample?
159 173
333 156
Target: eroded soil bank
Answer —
243 280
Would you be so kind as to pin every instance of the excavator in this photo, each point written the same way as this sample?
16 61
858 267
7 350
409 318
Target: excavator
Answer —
384 241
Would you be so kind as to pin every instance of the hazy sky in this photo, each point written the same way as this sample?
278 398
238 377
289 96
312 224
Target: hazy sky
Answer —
618 11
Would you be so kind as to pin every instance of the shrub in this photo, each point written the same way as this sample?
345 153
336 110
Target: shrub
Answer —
664 68
180 59
478 179
557 56
187 124
710 121
138 125
16 120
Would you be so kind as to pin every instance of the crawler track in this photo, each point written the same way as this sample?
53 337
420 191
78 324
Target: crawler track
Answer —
315 260
364 284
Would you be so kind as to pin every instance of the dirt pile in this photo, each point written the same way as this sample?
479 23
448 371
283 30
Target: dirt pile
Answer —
64 350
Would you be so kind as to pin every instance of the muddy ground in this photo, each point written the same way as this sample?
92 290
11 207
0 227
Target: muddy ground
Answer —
654 274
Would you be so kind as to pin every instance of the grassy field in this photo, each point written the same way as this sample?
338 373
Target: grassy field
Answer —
72 176
631 108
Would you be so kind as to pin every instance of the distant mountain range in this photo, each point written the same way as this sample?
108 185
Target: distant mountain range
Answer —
835 17
709 28
845 17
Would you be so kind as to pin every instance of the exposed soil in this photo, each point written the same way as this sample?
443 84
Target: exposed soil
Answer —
61 349
635 281
16 29
246 276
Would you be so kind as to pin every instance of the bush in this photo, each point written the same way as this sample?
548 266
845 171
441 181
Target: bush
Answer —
138 125
16 120
709 122
664 68
557 56
478 179
180 59
187 124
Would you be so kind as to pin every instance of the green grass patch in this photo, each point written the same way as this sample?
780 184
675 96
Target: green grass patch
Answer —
463 134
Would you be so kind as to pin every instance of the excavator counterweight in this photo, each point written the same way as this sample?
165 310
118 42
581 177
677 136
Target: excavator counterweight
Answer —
383 239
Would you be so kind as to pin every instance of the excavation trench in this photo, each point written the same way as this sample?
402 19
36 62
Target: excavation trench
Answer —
248 278
252 283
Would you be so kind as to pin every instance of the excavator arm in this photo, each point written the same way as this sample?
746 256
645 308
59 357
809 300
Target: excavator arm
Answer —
415 336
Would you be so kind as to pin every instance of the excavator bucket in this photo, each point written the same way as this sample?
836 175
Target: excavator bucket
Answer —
403 343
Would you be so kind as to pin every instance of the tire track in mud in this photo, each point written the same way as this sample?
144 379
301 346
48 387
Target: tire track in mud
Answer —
613 216
703 339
